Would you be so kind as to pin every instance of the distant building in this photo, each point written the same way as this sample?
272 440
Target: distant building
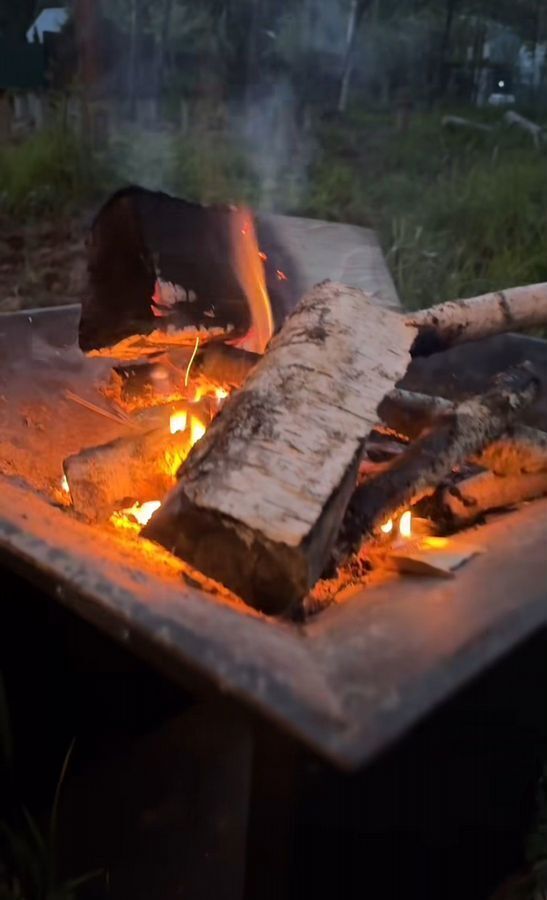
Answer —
50 21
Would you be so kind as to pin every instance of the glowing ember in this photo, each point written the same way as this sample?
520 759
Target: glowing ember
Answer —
387 527
192 358
263 256
281 275
250 273
405 524
178 421
65 485
197 430
138 514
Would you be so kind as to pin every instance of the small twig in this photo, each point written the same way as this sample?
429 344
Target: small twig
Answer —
87 404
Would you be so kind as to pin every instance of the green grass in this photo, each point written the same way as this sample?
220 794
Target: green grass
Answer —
49 173
458 213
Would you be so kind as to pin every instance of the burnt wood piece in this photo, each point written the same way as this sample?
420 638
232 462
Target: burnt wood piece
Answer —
261 497
459 321
466 369
130 468
224 364
140 236
453 437
519 449
467 501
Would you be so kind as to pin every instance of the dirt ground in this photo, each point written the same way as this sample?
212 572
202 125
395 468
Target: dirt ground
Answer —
42 263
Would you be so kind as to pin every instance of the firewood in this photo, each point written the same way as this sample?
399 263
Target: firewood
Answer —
225 365
458 321
261 497
132 468
453 437
519 449
463 504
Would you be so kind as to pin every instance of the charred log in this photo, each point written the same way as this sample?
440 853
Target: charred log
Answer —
458 321
454 436
519 449
261 497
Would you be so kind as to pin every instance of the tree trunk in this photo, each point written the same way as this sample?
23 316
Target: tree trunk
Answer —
261 497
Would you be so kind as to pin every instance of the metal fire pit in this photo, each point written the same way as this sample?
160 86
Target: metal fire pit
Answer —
347 683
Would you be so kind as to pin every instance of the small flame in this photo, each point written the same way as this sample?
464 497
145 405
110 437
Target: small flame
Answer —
197 430
142 512
221 394
178 421
405 524
387 527
192 358
250 273
65 485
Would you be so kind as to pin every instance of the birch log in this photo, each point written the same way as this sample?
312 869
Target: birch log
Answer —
452 439
139 467
535 131
261 497
464 503
519 449
458 321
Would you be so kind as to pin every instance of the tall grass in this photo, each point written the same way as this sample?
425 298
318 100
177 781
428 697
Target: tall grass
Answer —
49 172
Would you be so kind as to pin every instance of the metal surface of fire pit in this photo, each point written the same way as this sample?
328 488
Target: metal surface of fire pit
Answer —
348 682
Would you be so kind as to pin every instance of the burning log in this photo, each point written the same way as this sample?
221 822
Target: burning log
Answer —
520 449
140 467
457 434
463 504
458 321
225 365
261 498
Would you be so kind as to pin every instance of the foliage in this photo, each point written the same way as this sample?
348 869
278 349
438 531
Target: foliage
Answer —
47 172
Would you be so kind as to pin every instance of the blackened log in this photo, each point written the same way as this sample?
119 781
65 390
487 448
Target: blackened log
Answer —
224 364
519 449
459 321
453 437
261 497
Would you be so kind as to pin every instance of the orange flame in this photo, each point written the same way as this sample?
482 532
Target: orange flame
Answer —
250 273
405 524
178 421
197 430
140 512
